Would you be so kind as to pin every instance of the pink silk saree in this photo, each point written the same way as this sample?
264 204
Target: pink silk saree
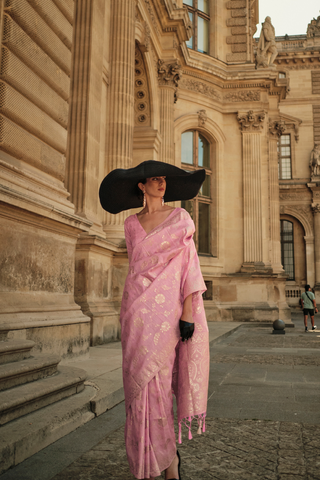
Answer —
163 270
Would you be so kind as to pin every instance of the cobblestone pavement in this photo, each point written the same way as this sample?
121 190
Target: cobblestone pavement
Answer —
229 450
251 367
263 419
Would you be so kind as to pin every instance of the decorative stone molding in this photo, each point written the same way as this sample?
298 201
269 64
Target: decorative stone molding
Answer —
246 96
202 118
315 207
142 111
200 87
251 121
169 74
285 124
276 128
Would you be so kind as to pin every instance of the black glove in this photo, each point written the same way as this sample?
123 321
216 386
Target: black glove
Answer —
186 330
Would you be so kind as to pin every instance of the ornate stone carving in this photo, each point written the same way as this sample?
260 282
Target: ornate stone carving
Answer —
315 208
276 128
267 47
315 162
294 196
314 28
251 121
202 118
246 96
169 73
200 87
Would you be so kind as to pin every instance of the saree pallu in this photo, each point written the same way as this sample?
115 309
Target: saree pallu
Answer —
163 271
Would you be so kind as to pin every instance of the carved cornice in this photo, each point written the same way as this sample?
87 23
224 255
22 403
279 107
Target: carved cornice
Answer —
251 121
276 128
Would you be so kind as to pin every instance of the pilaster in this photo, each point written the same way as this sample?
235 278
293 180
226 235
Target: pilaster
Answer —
251 125
168 77
119 137
276 129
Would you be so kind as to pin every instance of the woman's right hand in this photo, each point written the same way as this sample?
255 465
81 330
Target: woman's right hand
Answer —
186 330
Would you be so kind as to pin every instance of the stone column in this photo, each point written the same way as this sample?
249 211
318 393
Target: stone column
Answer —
119 141
309 241
169 76
251 125
316 219
276 129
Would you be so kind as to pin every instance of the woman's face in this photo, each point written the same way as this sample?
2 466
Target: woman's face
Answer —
154 186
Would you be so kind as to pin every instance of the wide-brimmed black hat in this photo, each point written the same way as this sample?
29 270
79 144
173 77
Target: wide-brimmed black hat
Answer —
118 191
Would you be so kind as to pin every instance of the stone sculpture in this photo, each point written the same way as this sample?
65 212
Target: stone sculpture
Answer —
267 47
315 161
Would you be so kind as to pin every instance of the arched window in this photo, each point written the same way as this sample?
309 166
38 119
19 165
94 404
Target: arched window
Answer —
287 251
199 16
195 154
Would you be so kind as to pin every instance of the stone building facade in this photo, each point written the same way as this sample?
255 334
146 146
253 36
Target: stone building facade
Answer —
299 149
91 85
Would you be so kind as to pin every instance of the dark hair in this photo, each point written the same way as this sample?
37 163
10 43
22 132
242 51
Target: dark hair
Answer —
139 191
306 287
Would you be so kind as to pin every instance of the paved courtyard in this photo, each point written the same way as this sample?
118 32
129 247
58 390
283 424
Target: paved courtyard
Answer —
263 419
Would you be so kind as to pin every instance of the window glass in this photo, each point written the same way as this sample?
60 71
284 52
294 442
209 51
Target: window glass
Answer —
287 251
188 205
187 148
189 2
190 41
203 35
205 188
204 152
284 151
204 228
203 5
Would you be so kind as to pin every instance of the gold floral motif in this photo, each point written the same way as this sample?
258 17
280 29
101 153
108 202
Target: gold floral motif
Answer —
160 299
165 327
166 313
143 350
164 245
156 338
144 310
177 276
138 322
199 309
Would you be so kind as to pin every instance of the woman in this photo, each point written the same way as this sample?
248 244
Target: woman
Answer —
161 310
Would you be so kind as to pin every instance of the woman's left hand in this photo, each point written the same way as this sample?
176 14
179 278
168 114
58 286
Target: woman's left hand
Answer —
186 330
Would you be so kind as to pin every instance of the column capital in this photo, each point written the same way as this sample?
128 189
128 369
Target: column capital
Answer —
251 121
169 75
276 128
315 207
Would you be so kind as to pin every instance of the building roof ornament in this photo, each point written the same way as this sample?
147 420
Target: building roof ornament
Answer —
314 28
267 47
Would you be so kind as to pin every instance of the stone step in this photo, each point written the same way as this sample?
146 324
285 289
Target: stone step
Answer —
28 370
15 350
23 399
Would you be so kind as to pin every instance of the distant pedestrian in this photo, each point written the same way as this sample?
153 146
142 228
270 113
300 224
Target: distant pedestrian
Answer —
309 306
